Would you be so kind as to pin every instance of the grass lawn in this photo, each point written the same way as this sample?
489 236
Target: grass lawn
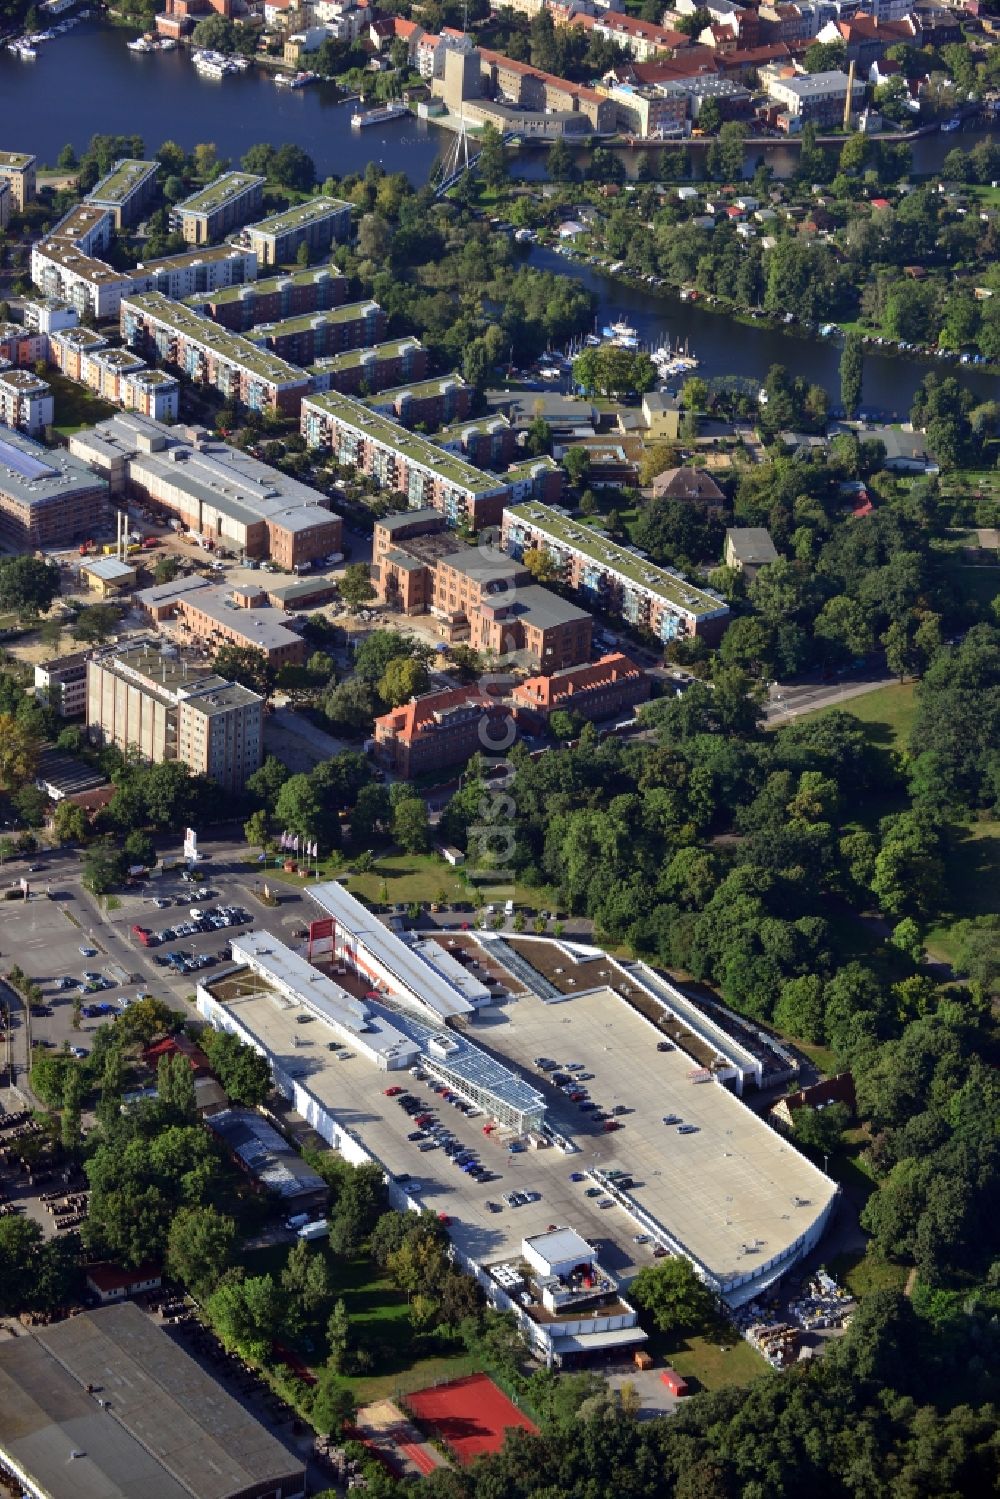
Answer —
888 713
862 1274
380 1320
821 1057
850 1169
701 1360
75 406
972 878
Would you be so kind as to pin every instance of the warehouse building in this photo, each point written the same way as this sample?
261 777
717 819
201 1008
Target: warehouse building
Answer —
222 495
105 1405
47 496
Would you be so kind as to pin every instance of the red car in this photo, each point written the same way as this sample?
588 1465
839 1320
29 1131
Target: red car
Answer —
393 1091
611 1124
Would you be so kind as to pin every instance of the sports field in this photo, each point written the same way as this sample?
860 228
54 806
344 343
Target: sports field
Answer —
471 1415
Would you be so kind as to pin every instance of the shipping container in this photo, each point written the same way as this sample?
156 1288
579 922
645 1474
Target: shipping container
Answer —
674 1383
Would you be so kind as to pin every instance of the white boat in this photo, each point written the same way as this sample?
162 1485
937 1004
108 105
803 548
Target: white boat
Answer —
141 44
364 117
167 44
947 126
24 51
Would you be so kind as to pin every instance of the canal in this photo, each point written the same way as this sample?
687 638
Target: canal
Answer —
728 348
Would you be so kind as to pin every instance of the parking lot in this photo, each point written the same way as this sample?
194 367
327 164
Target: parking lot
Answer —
60 937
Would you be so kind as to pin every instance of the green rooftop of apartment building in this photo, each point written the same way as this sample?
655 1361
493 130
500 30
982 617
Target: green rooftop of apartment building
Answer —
394 348
299 213
565 531
224 344
288 327
268 286
15 161
216 194
410 445
420 389
123 178
456 430
529 467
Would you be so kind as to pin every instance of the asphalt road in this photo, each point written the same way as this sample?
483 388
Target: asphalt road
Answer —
789 702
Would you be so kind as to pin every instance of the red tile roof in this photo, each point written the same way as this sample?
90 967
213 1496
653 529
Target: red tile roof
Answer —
562 686
107 1277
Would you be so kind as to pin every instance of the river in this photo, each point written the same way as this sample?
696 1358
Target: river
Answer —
87 82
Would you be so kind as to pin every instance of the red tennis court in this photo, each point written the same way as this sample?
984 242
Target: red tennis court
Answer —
471 1415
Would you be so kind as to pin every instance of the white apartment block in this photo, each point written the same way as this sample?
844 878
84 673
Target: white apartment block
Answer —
25 401
196 271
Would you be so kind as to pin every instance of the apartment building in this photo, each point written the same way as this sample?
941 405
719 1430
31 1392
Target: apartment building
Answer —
535 479
46 497
443 398
816 97
63 684
66 264
615 579
21 346
316 223
116 375
225 204
440 729
476 594
486 441
602 689
170 708
216 615
403 461
221 494
213 269
242 306
359 371
25 401
210 355
18 168
6 203
126 191
312 335
640 39
45 315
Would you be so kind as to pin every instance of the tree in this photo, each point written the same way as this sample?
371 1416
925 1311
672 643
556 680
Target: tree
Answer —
403 678
576 462
299 808
333 1405
410 827
360 1202
20 1240
200 1247
490 162
338 1336
69 822
673 1295
97 623
351 705
306 1278
139 848
103 868
247 665
166 569
821 1129
563 725
27 585
247 1314
852 364
293 168
19 749
243 1072
541 565
355 585
976 944
373 655
266 782
824 57
256 830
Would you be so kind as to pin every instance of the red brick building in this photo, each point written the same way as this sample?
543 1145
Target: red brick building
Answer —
441 729
606 687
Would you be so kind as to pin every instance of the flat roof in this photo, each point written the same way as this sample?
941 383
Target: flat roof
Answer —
25 382
313 210
534 605
660 581
392 523
424 983
207 199
265 1153
170 1429
125 176
15 160
65 253
347 312
414 448
297 984
263 627
110 569
220 341
206 255
269 284
434 385
34 475
562 1244
393 348
211 471
802 85
171 678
